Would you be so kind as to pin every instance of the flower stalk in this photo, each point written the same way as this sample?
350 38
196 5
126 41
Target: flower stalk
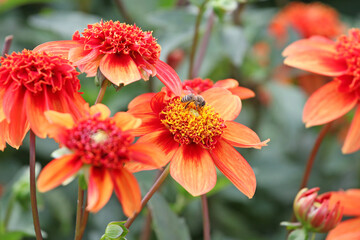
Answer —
206 218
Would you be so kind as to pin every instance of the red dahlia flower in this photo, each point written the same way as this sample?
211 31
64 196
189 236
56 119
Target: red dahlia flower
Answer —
307 20
123 53
348 229
341 60
198 139
100 147
30 84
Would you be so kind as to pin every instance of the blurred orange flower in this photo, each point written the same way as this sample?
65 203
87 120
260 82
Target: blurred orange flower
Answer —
30 84
196 139
348 229
341 60
307 20
100 147
123 53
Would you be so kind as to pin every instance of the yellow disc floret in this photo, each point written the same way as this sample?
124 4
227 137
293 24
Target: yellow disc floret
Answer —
191 125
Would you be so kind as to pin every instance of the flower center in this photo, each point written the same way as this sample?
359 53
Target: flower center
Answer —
99 142
198 85
120 38
37 72
192 125
348 47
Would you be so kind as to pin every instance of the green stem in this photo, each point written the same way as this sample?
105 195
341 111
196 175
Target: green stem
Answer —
9 211
196 37
313 236
149 194
206 218
33 201
102 91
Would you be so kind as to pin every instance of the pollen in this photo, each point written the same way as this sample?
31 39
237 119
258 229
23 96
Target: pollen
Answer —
348 48
99 143
119 38
191 125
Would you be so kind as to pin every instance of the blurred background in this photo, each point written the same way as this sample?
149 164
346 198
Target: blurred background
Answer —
246 42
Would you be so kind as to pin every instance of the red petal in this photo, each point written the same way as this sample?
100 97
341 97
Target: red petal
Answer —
193 168
349 201
352 140
119 69
168 77
126 121
327 104
224 102
346 230
234 167
242 92
99 190
239 135
61 48
310 44
15 112
127 190
157 102
57 171
145 156
318 61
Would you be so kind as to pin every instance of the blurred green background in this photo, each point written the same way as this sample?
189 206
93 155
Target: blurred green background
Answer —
230 54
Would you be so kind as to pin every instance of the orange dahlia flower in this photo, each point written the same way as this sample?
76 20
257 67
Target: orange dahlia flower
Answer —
341 60
348 229
30 84
307 20
100 147
123 53
196 139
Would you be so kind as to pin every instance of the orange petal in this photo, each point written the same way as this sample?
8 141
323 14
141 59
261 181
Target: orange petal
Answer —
62 119
101 109
91 68
346 230
126 121
143 99
80 57
227 83
61 48
318 61
2 114
239 135
193 168
242 92
127 190
168 77
149 123
119 69
310 44
349 200
15 112
234 167
4 130
224 102
99 190
327 104
57 171
352 140
145 156
163 140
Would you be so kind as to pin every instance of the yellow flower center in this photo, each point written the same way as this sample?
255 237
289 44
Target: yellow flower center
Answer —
192 125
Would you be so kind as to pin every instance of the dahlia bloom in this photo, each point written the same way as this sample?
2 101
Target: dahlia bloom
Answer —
123 53
99 147
340 60
314 212
348 229
198 139
30 84
307 20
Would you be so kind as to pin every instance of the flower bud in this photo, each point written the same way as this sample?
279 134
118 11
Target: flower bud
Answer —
314 212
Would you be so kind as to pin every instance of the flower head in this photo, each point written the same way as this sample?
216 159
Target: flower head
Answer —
314 212
340 60
100 147
196 139
30 84
123 53
307 20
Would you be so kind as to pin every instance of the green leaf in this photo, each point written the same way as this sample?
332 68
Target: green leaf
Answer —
221 7
113 231
167 225
13 235
10 4
298 234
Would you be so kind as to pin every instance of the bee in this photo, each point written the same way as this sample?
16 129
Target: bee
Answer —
198 100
